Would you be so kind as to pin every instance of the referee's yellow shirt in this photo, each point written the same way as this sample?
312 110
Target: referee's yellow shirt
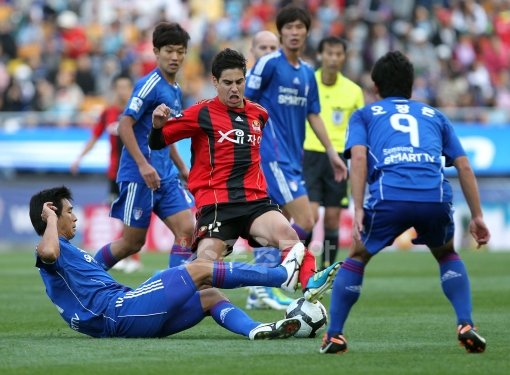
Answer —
338 102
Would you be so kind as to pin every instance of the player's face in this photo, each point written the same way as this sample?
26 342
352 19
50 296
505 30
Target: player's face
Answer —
67 221
230 87
170 58
123 89
264 46
332 57
293 35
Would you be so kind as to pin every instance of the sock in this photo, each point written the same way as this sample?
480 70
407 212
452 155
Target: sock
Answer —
230 275
346 291
232 318
267 256
307 266
105 258
455 284
302 234
178 255
330 247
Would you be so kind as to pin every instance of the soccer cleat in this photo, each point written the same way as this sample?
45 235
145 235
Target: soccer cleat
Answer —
281 329
333 345
470 339
280 297
254 302
292 263
320 282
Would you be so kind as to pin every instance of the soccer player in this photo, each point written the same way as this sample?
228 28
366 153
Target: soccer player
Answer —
395 146
259 297
93 303
226 178
285 85
339 98
149 181
122 86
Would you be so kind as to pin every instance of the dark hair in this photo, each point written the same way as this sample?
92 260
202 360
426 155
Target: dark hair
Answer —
120 76
167 33
332 40
55 195
291 13
228 59
393 74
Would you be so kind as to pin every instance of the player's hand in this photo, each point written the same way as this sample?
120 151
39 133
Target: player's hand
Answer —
339 167
160 116
479 231
75 167
48 210
150 176
357 223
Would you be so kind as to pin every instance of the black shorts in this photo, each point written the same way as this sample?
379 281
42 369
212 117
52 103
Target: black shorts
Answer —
229 221
320 181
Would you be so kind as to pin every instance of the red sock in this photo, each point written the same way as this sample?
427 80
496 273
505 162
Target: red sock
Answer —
307 267
135 256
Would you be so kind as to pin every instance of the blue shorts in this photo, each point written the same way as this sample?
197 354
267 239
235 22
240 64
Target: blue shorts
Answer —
284 184
136 202
387 220
165 304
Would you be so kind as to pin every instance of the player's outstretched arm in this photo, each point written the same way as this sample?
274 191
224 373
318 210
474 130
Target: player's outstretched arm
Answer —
48 248
477 226
358 178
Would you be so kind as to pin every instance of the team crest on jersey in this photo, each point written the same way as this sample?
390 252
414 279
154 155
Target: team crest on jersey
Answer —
137 213
293 185
338 116
256 126
135 104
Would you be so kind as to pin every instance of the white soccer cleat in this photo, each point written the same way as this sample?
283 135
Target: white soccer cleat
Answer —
292 264
281 329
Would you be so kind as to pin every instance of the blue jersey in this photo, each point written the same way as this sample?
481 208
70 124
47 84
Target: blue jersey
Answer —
82 291
149 92
405 141
289 94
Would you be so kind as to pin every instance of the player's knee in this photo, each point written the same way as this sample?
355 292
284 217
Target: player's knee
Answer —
211 297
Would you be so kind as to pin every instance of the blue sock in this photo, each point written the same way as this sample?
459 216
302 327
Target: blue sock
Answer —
178 255
232 318
105 258
267 256
302 234
230 275
455 284
346 291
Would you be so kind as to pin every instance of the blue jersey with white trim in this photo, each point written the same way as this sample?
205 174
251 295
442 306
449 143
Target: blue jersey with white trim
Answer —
149 92
81 290
289 94
405 142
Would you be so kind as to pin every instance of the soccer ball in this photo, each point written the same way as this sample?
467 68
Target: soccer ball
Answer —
313 316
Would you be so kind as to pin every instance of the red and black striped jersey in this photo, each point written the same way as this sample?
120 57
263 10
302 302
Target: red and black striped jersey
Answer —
225 150
109 122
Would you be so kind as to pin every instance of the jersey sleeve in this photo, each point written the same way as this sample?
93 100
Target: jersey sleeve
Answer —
452 148
259 78
356 133
184 125
100 125
313 102
140 102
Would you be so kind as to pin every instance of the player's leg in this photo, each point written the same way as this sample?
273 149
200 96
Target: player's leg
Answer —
437 233
173 205
133 207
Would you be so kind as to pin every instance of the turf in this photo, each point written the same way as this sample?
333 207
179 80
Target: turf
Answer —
402 324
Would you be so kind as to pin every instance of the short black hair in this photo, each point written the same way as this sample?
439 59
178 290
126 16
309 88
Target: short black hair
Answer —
122 75
55 195
331 40
291 13
169 33
228 59
393 74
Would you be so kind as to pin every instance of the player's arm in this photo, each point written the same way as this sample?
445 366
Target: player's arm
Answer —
318 127
48 248
358 177
467 179
127 135
96 133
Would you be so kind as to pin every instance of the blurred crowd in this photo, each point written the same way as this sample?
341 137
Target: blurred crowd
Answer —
57 57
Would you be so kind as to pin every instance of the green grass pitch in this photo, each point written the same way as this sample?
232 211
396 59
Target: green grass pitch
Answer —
402 324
